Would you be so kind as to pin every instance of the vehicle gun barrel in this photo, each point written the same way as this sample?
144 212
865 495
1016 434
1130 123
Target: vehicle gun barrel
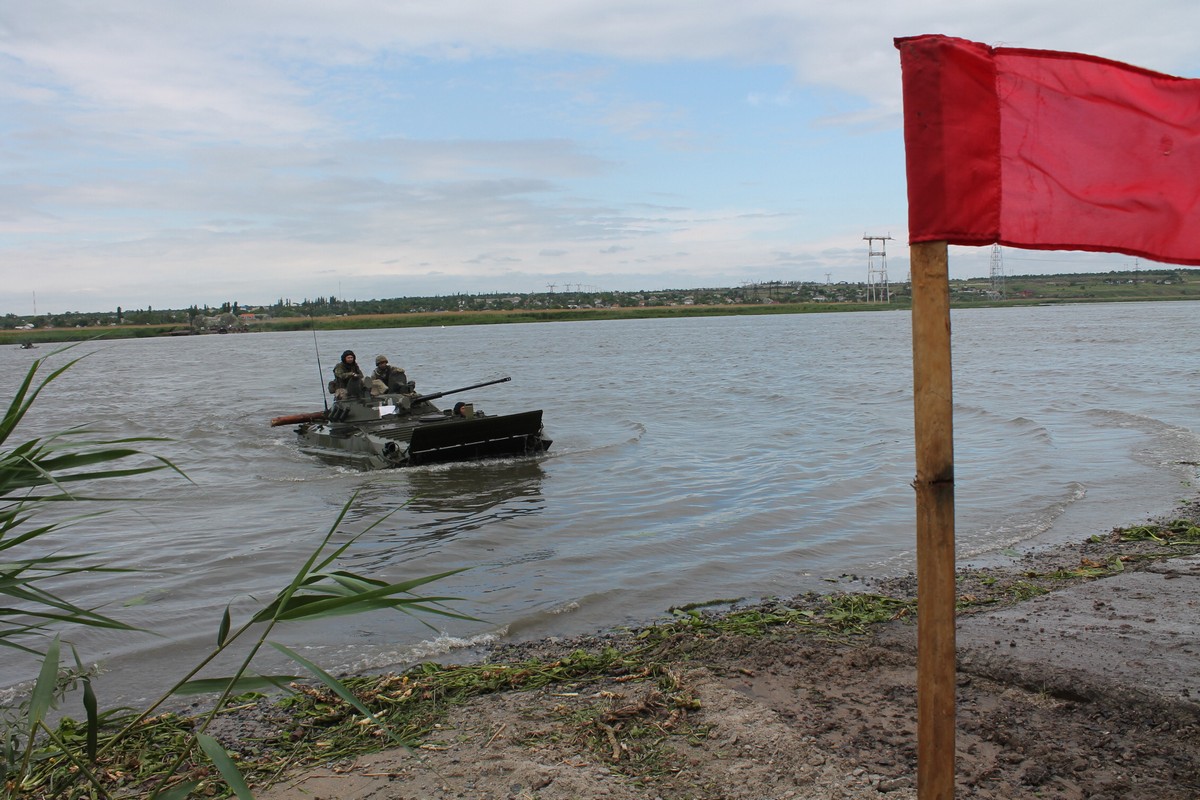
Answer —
421 398
296 419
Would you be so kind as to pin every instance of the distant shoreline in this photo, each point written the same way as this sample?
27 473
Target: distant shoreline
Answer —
433 319
37 336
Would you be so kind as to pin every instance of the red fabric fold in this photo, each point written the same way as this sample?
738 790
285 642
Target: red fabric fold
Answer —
1049 150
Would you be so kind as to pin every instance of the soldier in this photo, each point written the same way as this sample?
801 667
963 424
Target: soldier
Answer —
390 380
347 377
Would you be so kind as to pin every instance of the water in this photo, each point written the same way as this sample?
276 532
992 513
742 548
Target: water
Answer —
693 459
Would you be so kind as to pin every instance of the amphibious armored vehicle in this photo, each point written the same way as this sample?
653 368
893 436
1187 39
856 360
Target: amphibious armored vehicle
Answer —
400 429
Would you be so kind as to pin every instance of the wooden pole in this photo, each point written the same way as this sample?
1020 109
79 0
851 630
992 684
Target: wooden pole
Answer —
933 406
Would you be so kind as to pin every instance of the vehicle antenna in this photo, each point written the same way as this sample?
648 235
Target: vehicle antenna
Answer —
320 372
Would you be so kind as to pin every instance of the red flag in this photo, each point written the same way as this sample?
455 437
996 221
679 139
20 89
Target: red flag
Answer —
1049 151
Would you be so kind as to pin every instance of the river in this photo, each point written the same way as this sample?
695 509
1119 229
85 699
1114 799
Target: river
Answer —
693 459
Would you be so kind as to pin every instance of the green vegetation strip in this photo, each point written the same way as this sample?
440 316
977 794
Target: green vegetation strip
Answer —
1177 533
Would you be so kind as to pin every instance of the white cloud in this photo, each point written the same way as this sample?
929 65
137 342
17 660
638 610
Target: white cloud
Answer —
164 154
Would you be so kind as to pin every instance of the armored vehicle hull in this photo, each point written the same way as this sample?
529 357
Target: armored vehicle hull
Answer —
396 430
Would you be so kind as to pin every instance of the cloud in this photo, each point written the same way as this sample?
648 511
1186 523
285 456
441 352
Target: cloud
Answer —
167 154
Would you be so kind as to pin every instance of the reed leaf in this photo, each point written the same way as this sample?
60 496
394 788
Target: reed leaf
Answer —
42 699
180 791
348 595
223 628
224 764
92 710
13 518
252 683
320 606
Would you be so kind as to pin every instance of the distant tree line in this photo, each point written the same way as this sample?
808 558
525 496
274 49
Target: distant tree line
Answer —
1118 284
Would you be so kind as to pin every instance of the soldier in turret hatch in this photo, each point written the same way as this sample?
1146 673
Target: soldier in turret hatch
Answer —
347 377
390 380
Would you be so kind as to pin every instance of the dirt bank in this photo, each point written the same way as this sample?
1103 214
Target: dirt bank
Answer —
789 712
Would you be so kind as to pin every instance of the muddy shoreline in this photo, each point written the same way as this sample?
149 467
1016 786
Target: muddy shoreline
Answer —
1077 678
784 713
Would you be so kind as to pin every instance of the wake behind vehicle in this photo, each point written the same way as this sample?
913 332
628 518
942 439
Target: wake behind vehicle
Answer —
398 429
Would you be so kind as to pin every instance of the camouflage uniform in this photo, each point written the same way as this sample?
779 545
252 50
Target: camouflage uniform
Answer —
347 378
387 378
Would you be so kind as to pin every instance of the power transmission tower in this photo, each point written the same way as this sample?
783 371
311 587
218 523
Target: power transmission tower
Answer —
551 286
997 272
877 279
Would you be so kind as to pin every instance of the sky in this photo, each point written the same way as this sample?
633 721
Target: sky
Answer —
163 154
